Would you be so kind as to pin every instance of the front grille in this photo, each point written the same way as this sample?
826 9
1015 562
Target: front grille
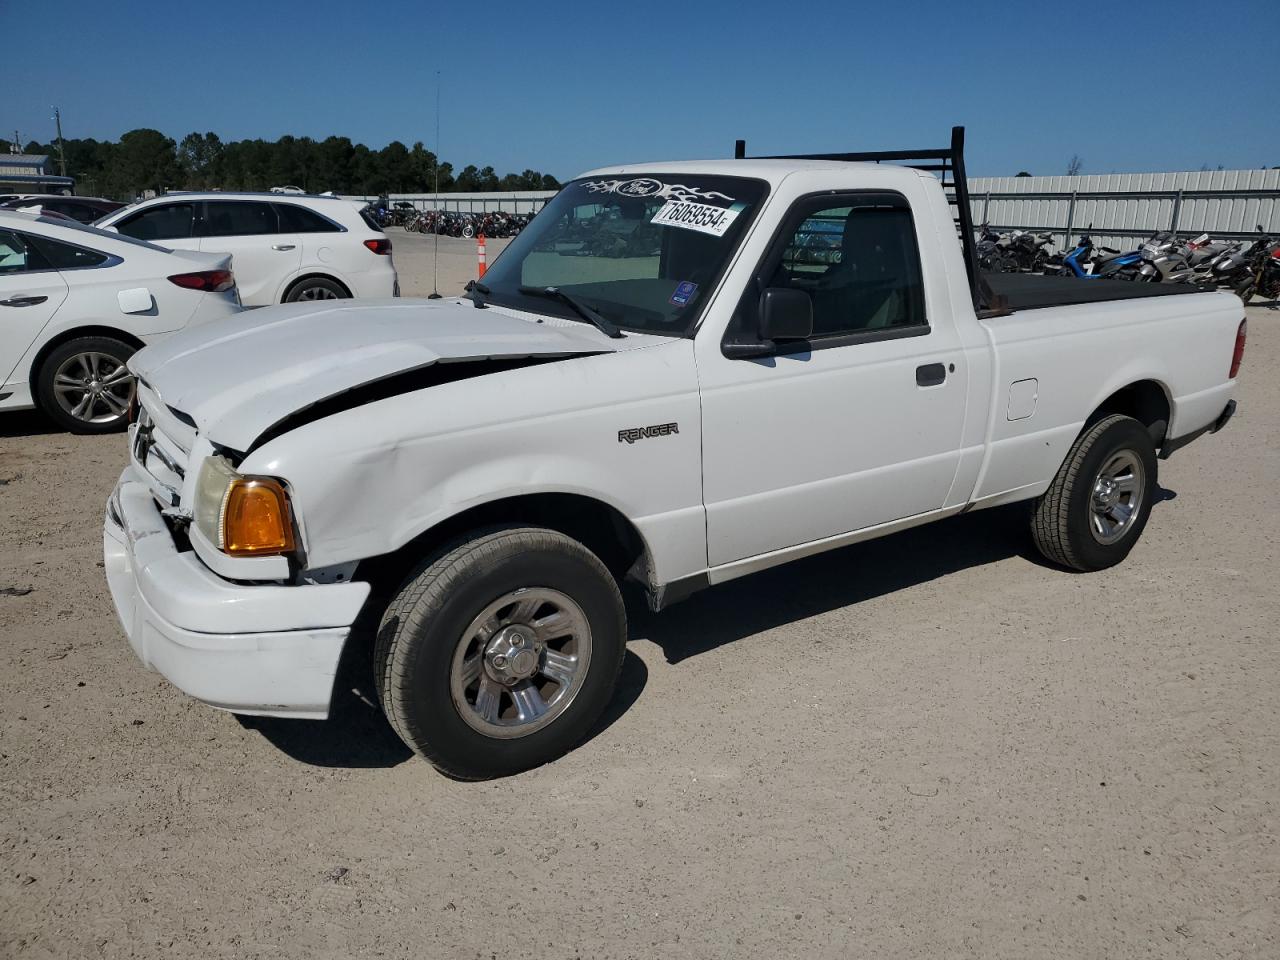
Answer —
159 455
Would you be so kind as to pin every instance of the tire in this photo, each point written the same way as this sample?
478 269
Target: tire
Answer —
1246 289
1067 525
68 392
437 654
316 288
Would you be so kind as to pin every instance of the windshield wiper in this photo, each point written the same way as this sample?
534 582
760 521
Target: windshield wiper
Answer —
581 309
474 287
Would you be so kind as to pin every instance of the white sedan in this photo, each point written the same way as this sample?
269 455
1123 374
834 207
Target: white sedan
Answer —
76 302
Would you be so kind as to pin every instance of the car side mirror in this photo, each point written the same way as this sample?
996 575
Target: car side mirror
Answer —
785 314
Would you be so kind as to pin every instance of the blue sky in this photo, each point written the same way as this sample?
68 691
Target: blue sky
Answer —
562 87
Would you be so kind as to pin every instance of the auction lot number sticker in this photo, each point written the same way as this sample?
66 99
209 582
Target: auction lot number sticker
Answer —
703 217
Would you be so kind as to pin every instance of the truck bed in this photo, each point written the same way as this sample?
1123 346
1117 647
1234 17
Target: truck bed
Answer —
1028 291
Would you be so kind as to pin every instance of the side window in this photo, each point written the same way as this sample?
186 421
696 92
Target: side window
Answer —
238 218
170 221
66 256
17 255
860 263
296 219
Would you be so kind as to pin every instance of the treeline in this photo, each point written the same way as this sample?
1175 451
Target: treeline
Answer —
148 160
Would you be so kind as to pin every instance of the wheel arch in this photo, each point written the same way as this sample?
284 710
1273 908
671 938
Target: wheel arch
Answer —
75 333
1146 400
313 274
600 527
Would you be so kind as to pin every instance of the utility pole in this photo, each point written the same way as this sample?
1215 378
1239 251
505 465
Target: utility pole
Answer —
62 153
15 145
435 263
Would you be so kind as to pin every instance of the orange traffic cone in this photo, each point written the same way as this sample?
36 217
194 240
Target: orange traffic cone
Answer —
480 255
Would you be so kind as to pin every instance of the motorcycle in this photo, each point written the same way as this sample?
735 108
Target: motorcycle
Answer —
1080 261
1165 260
1263 276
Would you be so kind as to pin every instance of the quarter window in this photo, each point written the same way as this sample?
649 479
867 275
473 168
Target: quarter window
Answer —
859 261
170 221
65 256
238 218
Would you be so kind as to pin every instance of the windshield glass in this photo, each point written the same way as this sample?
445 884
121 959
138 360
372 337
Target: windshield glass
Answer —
643 252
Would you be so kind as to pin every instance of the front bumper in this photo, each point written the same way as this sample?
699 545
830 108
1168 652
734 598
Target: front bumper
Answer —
263 649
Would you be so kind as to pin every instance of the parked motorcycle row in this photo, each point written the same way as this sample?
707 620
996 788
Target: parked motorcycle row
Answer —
494 225
1249 268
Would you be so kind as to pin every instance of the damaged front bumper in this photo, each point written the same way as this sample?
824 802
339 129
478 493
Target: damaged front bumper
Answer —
267 649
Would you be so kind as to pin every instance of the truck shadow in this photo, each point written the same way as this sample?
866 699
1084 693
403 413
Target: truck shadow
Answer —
357 734
26 423
841 578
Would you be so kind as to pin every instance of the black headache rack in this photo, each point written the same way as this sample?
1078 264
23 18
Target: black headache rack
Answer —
948 160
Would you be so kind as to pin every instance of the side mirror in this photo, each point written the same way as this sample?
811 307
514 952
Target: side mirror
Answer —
785 314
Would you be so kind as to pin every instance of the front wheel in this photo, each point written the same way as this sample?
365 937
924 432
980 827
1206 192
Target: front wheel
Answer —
1098 504
501 652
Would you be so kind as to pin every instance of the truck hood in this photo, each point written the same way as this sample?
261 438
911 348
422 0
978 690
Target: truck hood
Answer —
237 379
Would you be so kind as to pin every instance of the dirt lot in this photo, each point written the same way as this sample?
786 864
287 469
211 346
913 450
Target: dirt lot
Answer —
928 746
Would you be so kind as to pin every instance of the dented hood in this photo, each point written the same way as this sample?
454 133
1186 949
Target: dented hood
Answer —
239 377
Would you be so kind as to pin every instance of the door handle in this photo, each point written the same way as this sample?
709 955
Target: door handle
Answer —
930 375
284 246
22 301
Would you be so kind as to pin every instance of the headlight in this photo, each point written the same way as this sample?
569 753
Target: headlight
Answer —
242 516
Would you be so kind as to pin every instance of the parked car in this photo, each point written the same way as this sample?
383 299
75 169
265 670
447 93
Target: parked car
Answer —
80 209
284 248
75 303
292 190
477 476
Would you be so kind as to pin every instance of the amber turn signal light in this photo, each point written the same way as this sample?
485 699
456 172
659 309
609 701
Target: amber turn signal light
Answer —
255 519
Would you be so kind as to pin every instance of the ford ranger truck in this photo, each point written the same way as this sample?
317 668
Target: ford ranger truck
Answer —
678 374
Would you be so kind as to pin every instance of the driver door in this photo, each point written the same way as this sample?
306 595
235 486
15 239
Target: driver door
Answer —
858 426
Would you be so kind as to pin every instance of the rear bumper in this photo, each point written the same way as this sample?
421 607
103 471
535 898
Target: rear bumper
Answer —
261 649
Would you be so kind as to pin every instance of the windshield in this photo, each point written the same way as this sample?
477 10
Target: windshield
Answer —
642 252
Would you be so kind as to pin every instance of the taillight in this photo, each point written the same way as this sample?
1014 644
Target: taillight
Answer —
381 246
1238 357
210 281
1275 254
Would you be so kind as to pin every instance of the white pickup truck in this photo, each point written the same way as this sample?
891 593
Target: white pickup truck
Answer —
679 373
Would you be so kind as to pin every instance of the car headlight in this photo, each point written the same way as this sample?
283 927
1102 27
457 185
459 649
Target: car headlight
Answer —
242 516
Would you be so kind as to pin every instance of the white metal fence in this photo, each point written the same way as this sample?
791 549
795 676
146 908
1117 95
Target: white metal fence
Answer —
523 201
1126 208
1123 208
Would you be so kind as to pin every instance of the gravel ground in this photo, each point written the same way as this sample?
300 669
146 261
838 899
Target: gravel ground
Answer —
931 745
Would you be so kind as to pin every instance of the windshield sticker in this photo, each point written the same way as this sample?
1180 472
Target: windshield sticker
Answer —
648 187
684 293
702 217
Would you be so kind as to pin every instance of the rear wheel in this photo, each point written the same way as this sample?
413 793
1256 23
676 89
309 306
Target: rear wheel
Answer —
1098 504
501 652
316 288
85 386
1245 289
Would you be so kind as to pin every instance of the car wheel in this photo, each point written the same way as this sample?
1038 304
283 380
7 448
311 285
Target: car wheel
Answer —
316 288
500 652
85 386
1098 504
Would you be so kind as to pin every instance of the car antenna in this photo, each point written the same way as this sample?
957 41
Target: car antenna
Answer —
435 260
